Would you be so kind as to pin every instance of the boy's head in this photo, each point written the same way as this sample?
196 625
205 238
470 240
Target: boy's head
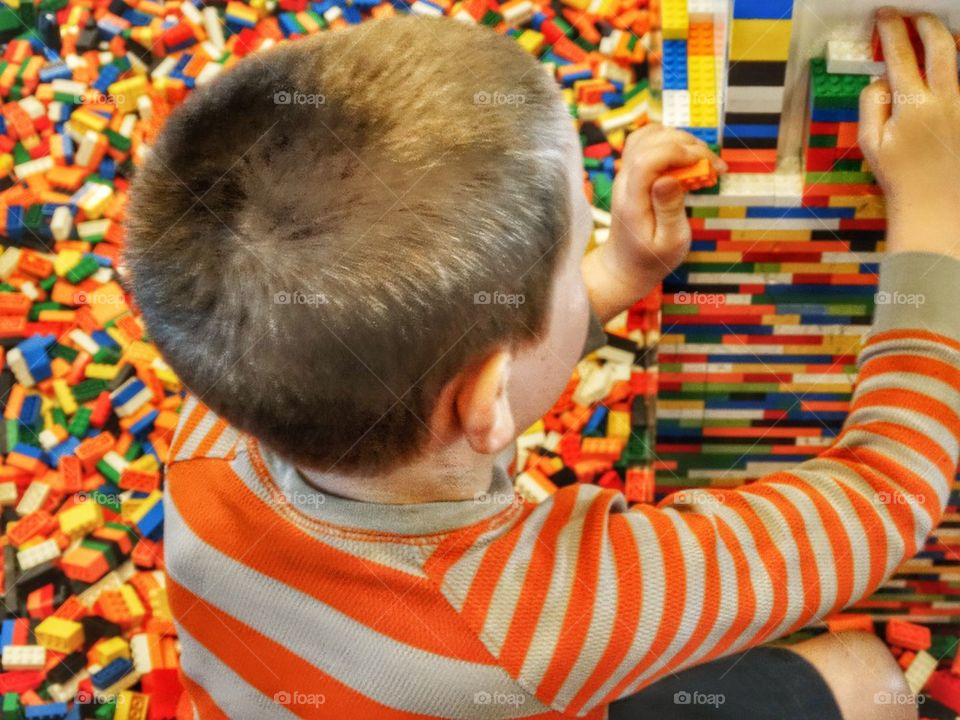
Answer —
344 231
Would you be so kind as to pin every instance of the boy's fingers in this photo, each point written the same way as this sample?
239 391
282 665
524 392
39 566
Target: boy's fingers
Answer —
668 207
898 53
941 51
875 109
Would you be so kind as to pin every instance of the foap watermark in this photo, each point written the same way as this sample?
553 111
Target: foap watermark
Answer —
487 498
699 698
499 298
896 698
485 97
499 698
901 98
298 297
694 496
298 498
103 99
886 497
900 298
295 97
700 299
301 699
81 297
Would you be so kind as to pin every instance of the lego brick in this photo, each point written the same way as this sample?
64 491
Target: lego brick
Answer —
757 73
760 40
676 108
762 9
845 57
749 99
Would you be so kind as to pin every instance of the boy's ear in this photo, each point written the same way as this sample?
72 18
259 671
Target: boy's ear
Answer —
481 405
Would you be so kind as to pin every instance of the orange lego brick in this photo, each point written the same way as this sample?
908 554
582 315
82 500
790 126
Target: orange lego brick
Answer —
695 177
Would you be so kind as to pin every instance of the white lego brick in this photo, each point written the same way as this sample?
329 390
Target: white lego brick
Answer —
676 108
8 493
38 554
754 99
24 657
847 57
33 497
595 384
920 671
748 189
702 10
789 189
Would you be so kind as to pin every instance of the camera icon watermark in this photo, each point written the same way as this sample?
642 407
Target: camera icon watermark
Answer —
295 97
499 298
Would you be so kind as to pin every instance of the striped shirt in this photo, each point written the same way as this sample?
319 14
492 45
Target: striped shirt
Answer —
291 603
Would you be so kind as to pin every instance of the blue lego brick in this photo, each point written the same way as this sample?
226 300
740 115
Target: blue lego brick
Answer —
805 213
47 711
596 419
67 447
708 135
762 9
6 632
126 392
144 424
30 410
103 339
151 524
109 675
751 131
829 116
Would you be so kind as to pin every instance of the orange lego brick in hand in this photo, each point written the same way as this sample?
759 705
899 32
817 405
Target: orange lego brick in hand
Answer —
695 177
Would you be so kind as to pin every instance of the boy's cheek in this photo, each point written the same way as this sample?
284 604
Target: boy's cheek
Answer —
541 372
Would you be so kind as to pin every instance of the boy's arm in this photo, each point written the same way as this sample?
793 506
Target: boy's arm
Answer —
649 231
583 602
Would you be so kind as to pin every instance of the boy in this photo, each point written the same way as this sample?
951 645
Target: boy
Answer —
320 275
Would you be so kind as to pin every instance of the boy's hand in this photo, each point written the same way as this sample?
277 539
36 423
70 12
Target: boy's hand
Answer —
649 233
910 135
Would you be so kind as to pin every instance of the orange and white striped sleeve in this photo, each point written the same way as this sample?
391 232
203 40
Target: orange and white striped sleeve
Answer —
584 602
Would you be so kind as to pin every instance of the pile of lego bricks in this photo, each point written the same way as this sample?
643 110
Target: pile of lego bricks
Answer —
89 408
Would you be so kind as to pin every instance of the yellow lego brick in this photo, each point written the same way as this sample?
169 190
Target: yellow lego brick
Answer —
675 20
107 651
80 519
701 74
132 601
732 213
89 120
531 41
703 116
145 463
59 634
66 260
64 396
144 506
98 371
126 92
618 424
121 339
131 706
760 40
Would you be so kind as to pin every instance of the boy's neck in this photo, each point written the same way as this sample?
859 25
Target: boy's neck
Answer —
458 476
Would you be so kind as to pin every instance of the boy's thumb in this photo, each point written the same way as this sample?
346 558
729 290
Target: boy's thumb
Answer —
668 206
